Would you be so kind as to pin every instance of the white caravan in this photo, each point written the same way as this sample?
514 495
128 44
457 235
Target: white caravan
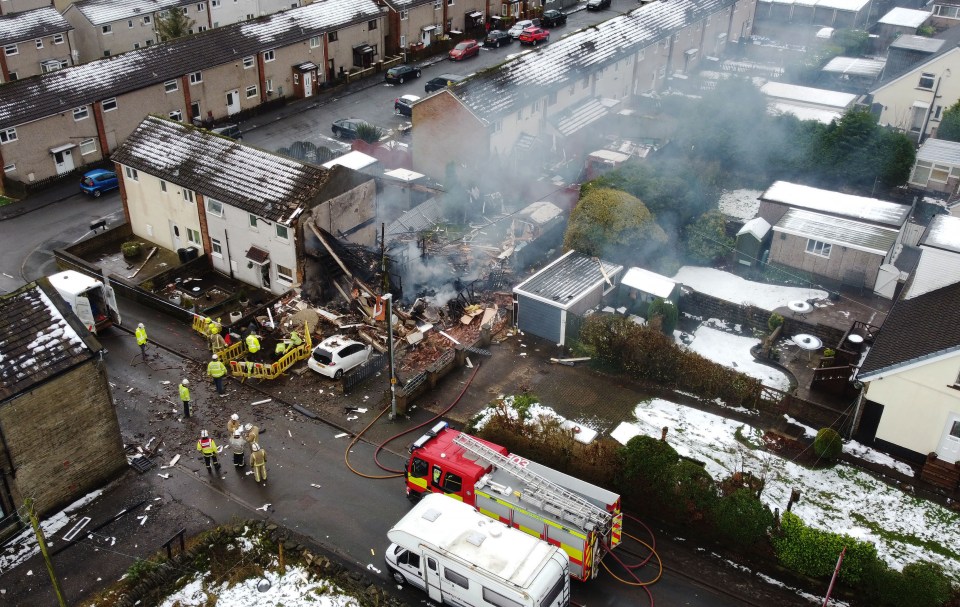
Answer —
91 300
463 558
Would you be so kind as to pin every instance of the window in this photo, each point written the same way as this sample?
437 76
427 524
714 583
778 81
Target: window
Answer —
283 232
409 559
403 42
10 49
437 473
106 53
136 45
129 22
372 25
251 91
147 20
202 28
171 86
58 38
314 41
200 7
449 2
252 220
296 78
452 483
815 247
247 62
437 4
176 115
214 3
284 274
456 578
269 56
269 85
331 36
39 42
107 29
163 186
926 80
940 173
196 77
214 207
404 15
216 248
149 42
131 173
187 195
108 105
52 66
80 113
419 468
193 236
13 76
9 168
499 600
88 146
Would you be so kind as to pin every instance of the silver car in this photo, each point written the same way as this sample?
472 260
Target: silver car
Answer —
519 26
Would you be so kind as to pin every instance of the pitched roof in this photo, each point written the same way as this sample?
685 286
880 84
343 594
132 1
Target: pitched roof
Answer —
39 338
937 268
534 74
940 150
837 203
84 84
258 182
905 17
30 25
567 279
914 331
756 227
951 38
856 66
100 12
943 233
838 231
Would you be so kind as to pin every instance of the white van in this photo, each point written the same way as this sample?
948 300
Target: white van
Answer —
91 300
463 558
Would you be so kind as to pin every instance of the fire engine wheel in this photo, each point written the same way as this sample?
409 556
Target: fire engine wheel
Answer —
397 577
338 374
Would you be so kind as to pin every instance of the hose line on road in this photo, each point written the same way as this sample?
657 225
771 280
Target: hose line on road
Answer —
376 454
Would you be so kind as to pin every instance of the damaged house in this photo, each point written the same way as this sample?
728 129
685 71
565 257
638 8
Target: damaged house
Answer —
263 219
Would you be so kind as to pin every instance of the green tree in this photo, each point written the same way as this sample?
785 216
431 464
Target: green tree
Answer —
742 519
856 151
852 43
174 25
706 238
950 124
613 225
666 311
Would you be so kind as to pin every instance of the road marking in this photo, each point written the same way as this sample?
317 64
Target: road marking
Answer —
76 529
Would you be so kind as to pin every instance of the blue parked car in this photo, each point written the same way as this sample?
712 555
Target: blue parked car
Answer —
98 181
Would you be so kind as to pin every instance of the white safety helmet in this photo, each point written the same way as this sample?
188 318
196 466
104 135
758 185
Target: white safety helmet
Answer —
234 417
255 447
236 433
248 427
214 357
203 434
185 382
140 326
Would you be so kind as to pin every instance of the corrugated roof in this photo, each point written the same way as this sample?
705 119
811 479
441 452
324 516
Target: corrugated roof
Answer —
255 181
843 5
806 94
421 217
532 75
585 113
84 84
101 12
567 279
867 68
834 230
905 17
943 233
940 151
39 338
915 330
918 43
30 25
936 269
837 203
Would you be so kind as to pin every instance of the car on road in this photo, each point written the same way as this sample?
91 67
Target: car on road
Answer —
467 48
497 38
98 181
596 5
336 355
534 36
229 130
346 128
403 105
553 18
519 26
401 73
442 81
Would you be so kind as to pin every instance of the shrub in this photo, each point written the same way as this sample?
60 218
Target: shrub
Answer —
741 519
814 553
828 445
130 249
649 471
925 585
667 311
369 132
774 321
695 490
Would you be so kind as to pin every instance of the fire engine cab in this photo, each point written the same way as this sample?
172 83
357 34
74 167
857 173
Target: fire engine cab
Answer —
582 519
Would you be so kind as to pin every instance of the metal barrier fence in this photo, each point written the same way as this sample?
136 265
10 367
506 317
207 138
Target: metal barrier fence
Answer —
364 372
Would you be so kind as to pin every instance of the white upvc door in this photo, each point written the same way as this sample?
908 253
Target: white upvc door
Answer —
949 449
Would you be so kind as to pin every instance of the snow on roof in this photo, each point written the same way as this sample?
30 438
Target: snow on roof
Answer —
610 156
905 17
101 12
918 43
937 268
805 112
740 204
541 212
730 287
825 33
943 233
404 175
459 530
940 151
756 227
528 76
806 94
258 182
648 282
30 25
84 84
868 68
837 203
352 160
838 231
843 5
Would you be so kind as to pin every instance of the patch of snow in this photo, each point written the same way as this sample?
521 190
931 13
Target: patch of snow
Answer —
296 587
733 351
740 204
731 287
24 546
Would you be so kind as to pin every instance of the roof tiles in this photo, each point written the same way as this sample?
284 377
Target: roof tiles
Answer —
101 12
31 25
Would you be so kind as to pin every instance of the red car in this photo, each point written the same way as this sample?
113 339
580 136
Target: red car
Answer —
467 48
534 35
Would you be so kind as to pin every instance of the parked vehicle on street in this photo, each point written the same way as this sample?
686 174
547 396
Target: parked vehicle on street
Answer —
92 300
596 5
553 18
460 557
229 130
401 73
336 355
98 181
403 105
463 50
346 128
442 81
534 36
517 28
497 38
582 519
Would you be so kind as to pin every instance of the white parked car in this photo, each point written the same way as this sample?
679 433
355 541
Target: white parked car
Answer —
336 355
519 26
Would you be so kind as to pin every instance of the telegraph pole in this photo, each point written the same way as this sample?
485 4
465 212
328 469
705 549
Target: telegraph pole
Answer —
28 504
393 378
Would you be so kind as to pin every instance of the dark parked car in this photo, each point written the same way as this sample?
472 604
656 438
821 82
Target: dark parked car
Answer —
98 181
402 72
553 18
467 48
441 82
497 38
229 130
596 5
403 105
346 128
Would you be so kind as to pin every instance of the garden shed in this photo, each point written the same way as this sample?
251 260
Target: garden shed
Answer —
643 286
752 239
550 302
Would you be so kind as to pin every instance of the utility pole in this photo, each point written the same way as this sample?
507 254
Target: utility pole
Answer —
28 504
393 377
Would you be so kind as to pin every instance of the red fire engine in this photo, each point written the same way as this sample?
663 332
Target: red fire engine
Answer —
582 519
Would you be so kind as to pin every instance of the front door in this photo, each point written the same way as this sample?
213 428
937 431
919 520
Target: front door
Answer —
949 449
64 161
308 84
175 236
233 102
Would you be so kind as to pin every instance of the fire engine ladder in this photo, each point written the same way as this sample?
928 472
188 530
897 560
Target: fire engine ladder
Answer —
548 495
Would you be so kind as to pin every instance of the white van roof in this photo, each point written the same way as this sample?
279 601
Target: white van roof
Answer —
72 282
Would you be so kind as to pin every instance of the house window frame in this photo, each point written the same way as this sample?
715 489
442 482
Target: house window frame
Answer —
10 50
251 91
176 115
314 41
371 25
404 14
284 274
8 135
269 55
196 77
216 247
39 43
131 173
819 248
249 62
927 81
10 168
112 102
58 38
106 30
286 231
214 207
81 113
252 222
332 37
191 233
90 145
171 86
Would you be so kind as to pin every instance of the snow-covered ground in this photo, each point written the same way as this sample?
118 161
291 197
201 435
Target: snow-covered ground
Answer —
731 287
733 351
297 587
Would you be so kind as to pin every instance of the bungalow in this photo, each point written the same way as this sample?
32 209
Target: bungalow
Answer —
34 42
253 213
